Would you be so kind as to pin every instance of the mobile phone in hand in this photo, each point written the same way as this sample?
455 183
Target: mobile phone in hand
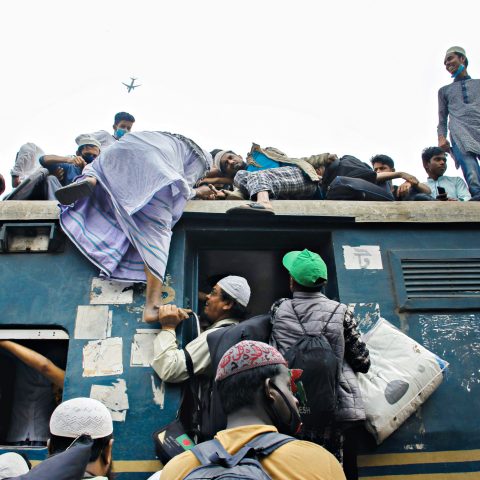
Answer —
441 193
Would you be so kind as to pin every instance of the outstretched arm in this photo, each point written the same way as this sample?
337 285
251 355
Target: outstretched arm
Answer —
384 176
55 160
35 360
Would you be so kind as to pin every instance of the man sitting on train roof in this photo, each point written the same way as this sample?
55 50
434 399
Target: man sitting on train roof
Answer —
411 189
26 162
443 187
84 416
122 124
71 165
255 389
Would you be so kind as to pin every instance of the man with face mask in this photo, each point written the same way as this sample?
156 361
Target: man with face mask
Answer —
71 165
459 113
122 124
255 388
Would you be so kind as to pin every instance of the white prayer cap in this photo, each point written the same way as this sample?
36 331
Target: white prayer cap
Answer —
218 156
80 416
87 140
237 288
12 465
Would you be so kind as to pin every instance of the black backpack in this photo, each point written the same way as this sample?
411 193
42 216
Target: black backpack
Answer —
346 188
217 463
315 356
212 417
347 166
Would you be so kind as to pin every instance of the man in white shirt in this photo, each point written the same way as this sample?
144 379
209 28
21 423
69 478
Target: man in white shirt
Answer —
226 305
443 187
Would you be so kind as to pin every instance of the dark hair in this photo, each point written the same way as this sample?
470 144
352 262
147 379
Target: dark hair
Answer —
316 288
241 389
383 159
60 444
237 311
430 152
464 57
80 149
123 116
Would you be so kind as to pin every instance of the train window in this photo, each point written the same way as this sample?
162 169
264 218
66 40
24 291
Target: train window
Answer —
32 362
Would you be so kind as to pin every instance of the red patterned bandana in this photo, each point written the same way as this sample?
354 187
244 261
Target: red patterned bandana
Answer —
247 355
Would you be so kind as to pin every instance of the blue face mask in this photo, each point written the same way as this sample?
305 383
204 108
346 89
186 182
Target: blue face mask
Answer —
120 132
89 157
460 69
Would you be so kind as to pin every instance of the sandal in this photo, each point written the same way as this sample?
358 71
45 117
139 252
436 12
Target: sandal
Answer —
251 208
73 192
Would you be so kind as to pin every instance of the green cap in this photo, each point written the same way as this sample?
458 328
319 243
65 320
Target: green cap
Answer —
306 267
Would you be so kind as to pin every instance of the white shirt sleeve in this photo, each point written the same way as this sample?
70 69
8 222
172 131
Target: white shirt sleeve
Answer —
169 361
462 190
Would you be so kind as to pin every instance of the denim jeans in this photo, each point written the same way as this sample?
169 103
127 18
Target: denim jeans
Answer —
471 170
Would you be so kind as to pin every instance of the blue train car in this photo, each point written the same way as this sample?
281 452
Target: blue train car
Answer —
417 264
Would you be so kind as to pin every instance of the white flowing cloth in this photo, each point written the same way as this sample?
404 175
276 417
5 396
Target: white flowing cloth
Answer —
143 183
27 160
105 138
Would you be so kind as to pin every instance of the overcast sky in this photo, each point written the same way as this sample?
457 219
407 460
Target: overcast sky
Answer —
357 77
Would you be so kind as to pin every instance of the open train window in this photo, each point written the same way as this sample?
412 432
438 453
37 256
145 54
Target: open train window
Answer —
32 362
263 269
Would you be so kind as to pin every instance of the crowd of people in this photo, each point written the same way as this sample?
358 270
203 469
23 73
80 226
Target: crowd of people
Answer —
120 196
256 389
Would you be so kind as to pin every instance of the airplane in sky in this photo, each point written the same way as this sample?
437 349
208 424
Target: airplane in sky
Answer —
132 84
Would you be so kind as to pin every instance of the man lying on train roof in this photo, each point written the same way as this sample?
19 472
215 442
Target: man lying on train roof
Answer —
269 173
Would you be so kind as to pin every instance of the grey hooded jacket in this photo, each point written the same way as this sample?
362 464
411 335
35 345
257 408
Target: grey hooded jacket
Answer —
314 310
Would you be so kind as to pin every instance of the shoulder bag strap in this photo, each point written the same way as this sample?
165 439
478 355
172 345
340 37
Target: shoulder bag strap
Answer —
266 443
298 319
326 323
331 316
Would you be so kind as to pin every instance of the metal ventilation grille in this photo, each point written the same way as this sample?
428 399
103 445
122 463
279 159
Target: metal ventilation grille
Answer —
446 278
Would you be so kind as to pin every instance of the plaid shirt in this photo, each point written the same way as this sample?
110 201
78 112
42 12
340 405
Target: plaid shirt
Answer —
281 183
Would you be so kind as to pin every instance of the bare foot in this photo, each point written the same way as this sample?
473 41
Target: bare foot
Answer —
153 297
264 199
150 314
